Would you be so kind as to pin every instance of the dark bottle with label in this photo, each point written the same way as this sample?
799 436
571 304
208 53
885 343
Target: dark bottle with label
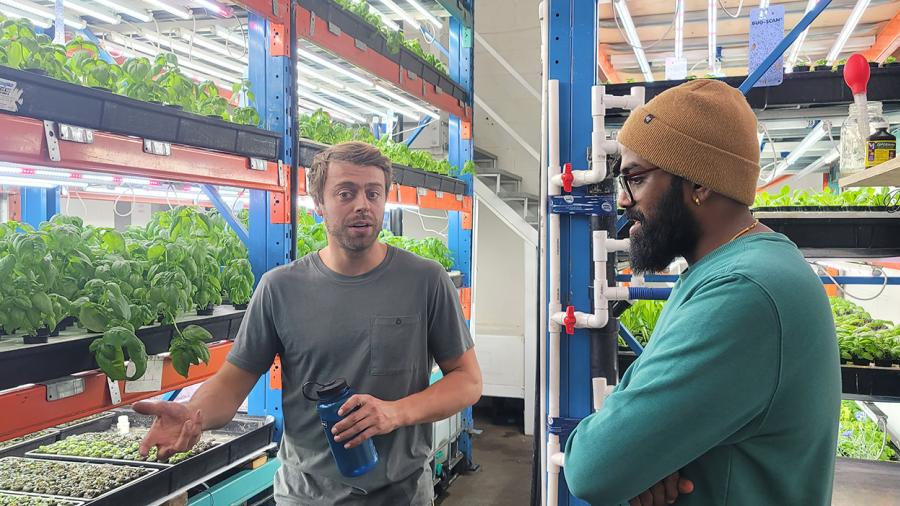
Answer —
880 146
329 398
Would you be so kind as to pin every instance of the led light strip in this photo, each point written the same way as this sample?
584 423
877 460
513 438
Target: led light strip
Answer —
230 36
187 50
199 40
26 6
849 26
121 9
422 10
303 70
147 49
92 12
181 13
331 105
402 13
325 63
13 13
633 39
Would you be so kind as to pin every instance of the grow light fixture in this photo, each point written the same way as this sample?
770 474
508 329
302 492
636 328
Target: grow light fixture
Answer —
390 106
352 101
849 26
37 10
402 13
230 36
333 66
372 99
334 114
763 4
14 13
795 49
192 52
121 9
633 40
38 182
181 13
92 12
215 8
404 100
199 40
423 11
150 50
331 105
818 132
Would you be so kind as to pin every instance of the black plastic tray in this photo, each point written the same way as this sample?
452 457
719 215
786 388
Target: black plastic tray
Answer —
21 448
870 381
359 29
69 353
403 175
46 98
68 502
242 436
134 492
799 88
840 234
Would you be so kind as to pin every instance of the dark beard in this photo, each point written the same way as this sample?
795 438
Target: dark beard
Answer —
671 232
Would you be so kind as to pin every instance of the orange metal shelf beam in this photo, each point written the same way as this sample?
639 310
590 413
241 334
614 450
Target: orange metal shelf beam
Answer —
376 64
23 142
27 409
886 42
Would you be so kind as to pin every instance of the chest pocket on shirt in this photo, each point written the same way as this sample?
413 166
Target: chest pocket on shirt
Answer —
392 343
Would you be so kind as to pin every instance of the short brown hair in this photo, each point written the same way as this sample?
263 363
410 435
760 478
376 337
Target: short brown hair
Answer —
357 153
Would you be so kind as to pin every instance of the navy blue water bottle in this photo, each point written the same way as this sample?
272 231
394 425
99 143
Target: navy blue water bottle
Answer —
329 398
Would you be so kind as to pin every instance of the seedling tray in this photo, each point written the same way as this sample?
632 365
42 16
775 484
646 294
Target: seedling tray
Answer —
46 98
29 443
69 352
59 501
242 436
133 492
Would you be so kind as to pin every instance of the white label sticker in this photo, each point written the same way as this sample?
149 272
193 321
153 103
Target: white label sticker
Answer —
115 395
676 69
151 381
10 95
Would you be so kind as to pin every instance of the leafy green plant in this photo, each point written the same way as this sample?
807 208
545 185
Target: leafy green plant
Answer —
188 347
109 351
640 319
238 281
414 46
429 247
470 168
311 236
874 197
889 60
820 62
861 438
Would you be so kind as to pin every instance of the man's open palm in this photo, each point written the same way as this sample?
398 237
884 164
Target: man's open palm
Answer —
175 429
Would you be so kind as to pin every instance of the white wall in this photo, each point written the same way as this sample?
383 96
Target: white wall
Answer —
101 213
512 29
500 285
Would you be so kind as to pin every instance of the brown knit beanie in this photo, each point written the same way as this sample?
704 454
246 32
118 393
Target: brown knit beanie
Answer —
703 131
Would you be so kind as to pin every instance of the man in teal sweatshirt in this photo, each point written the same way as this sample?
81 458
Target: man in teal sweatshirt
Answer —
738 391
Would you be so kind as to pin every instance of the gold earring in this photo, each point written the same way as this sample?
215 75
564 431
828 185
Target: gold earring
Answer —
697 201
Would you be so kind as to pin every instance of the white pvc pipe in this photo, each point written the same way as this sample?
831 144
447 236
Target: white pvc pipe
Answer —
679 29
599 387
553 168
543 9
711 44
558 458
601 147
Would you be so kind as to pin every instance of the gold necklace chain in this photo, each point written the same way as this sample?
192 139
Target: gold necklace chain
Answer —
745 230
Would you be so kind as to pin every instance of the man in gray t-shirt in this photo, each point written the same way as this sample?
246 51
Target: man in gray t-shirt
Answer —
374 315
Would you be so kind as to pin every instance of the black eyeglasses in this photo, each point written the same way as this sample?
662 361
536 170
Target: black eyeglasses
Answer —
626 180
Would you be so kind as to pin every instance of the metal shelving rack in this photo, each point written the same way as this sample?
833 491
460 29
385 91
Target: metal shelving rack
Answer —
571 45
274 27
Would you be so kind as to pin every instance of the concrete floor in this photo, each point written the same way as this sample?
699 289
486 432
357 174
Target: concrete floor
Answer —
504 453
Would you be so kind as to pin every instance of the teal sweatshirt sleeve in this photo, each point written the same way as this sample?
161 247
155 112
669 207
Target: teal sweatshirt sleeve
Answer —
712 371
